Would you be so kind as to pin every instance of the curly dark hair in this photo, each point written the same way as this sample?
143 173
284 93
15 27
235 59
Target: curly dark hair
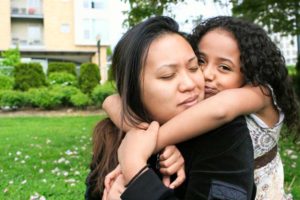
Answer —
261 61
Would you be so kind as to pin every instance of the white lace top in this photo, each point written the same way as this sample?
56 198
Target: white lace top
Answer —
263 137
269 179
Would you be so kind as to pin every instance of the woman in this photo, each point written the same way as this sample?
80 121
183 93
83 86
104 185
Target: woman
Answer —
158 77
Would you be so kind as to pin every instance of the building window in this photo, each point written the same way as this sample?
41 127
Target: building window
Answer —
65 28
93 28
34 35
94 4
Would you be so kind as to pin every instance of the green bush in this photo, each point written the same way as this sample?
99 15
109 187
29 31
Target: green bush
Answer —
62 78
100 92
6 82
6 70
80 100
89 77
67 67
296 77
65 93
12 99
110 74
11 57
29 75
44 98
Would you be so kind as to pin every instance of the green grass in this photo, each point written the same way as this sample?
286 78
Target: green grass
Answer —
290 155
45 155
50 156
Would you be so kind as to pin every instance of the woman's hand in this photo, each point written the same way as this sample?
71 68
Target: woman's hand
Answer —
116 189
111 177
171 162
135 149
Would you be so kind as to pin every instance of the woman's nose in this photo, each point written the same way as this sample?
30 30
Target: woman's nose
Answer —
186 83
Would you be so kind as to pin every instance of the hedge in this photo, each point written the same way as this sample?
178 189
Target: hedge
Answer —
67 67
29 75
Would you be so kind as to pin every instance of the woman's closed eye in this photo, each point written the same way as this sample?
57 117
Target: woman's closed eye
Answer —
194 68
167 76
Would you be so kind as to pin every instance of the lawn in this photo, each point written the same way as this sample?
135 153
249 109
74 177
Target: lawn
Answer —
49 156
44 156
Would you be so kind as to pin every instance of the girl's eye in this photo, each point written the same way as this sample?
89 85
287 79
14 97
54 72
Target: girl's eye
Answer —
201 61
225 68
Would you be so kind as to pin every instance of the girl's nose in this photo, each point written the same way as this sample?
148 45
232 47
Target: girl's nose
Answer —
208 73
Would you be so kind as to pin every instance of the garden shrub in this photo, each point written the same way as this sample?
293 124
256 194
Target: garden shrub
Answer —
7 70
67 67
12 99
44 98
297 77
100 92
80 100
110 74
6 82
62 78
29 75
89 77
65 93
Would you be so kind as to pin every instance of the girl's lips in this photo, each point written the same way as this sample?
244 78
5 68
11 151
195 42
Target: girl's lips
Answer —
210 91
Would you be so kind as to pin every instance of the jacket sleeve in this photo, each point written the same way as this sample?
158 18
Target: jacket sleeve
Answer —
148 187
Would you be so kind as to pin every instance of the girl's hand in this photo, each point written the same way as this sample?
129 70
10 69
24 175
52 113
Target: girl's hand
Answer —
171 162
111 177
117 188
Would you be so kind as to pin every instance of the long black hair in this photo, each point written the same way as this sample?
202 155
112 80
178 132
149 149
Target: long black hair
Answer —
128 61
262 63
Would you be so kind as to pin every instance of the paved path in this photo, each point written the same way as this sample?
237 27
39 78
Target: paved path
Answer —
62 112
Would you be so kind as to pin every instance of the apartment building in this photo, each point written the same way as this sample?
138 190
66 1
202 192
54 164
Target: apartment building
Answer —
56 30
288 47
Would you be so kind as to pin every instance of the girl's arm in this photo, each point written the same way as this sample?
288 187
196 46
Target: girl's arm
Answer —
112 105
203 117
211 113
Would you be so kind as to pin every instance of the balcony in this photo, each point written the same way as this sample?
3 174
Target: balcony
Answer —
21 42
30 13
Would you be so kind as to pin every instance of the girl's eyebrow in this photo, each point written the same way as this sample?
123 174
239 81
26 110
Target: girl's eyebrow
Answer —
192 59
219 58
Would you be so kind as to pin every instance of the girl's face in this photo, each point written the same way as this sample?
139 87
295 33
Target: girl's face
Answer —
172 80
220 62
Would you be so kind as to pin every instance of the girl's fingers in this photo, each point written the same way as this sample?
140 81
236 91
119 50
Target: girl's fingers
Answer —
179 180
166 181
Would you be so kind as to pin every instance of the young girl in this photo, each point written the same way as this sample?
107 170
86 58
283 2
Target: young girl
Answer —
233 54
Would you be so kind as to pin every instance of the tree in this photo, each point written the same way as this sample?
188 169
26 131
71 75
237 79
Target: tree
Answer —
11 57
141 9
277 15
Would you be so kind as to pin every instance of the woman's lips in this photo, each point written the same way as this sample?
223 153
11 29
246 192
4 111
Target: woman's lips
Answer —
190 101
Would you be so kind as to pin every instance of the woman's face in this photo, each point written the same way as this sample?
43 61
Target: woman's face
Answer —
220 62
172 80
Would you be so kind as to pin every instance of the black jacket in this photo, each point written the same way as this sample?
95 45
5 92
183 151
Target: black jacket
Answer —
219 165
